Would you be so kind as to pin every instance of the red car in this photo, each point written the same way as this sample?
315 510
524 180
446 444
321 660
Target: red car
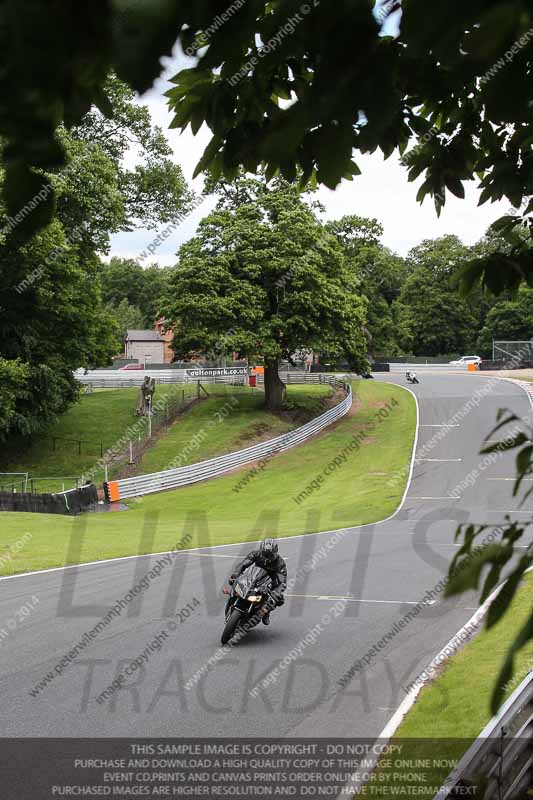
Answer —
131 366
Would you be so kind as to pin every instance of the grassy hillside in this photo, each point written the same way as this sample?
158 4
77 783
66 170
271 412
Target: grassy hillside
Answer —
101 418
218 511
106 418
239 421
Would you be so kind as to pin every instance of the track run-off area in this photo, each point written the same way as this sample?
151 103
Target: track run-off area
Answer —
337 659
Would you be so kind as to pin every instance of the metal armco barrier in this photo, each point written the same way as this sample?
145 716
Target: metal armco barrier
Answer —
183 476
501 760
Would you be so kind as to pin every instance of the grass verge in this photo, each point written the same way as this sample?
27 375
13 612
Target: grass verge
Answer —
453 710
356 491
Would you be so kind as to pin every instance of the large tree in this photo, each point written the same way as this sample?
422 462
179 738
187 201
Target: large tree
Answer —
51 322
380 274
52 318
510 319
263 277
144 288
433 319
455 82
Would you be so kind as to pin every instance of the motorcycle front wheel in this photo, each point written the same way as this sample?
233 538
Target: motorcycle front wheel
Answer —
230 626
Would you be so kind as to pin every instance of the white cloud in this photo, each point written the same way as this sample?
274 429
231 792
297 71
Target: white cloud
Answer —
381 191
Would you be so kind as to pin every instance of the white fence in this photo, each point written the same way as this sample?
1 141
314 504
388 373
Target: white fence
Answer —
117 379
184 476
309 377
428 367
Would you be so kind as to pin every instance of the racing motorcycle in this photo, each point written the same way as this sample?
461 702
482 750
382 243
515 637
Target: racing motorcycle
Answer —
246 606
411 377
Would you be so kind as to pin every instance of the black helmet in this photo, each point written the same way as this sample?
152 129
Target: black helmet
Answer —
269 550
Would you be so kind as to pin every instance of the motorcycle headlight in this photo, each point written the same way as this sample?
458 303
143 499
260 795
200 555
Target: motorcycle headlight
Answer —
239 590
255 598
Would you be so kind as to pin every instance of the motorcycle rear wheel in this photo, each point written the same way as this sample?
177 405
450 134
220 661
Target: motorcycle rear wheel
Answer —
230 626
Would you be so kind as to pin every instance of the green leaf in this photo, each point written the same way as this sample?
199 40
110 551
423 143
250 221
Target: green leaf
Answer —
502 602
455 186
525 635
30 199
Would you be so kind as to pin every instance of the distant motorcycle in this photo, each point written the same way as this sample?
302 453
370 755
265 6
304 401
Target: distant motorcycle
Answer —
248 596
411 377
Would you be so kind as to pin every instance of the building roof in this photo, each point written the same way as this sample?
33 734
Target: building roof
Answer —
143 336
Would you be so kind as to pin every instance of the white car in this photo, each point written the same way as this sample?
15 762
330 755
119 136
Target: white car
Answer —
465 360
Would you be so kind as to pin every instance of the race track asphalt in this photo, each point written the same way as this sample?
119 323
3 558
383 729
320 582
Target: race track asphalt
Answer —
381 570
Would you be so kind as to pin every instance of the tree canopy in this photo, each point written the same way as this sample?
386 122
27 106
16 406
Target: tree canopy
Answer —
265 278
380 274
146 289
454 83
510 319
52 314
432 318
51 323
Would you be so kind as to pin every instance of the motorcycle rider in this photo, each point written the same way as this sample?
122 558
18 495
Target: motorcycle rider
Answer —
268 558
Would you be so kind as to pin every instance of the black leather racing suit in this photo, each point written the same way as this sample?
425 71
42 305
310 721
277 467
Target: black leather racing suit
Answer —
277 571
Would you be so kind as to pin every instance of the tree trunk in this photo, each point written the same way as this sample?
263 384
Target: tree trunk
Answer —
275 389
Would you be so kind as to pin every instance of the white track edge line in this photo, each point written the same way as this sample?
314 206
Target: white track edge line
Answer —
407 703
393 724
240 544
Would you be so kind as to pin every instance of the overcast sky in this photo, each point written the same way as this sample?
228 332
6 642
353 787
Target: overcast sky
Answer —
381 191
